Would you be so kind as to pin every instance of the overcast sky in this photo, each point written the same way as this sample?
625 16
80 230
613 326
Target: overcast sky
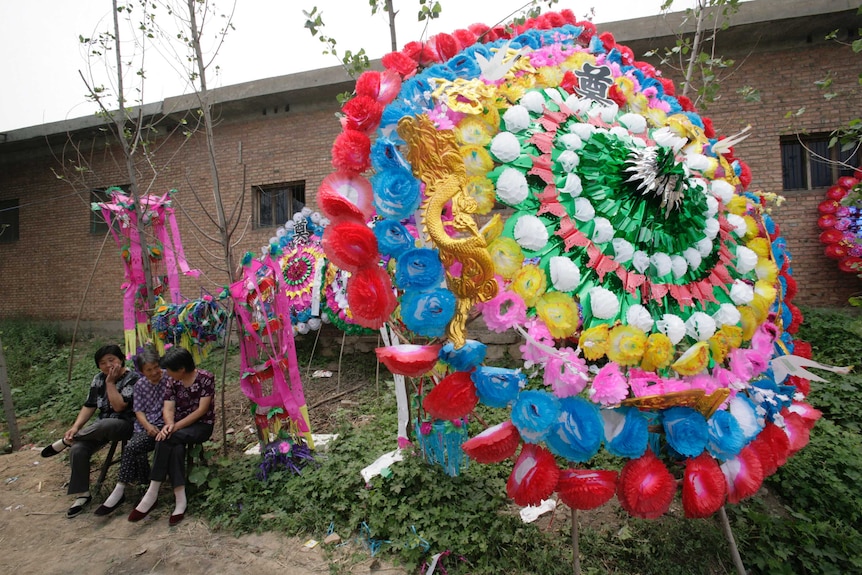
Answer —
41 54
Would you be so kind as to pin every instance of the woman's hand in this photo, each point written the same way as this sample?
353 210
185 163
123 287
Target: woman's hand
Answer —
152 430
70 433
166 432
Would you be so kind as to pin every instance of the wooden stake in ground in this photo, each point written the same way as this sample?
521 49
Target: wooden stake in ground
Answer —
8 406
734 550
576 552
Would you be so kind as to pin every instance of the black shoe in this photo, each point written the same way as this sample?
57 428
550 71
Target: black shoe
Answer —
76 510
105 510
51 452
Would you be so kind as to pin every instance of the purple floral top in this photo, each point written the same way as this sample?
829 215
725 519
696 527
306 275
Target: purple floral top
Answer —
188 398
150 399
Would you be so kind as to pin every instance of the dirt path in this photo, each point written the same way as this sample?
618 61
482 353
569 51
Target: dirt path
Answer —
37 538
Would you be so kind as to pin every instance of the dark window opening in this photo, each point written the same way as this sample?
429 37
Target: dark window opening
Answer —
809 162
9 223
276 203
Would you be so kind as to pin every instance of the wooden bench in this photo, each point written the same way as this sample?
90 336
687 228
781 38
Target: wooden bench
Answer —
109 461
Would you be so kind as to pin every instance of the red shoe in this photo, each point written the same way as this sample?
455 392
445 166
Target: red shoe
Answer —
136 515
176 519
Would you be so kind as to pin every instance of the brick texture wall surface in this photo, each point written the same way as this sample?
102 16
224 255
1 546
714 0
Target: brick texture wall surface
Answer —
58 267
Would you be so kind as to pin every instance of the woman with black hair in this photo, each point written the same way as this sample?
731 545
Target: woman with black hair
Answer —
189 416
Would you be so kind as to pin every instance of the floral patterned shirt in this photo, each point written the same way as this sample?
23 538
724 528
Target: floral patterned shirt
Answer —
188 398
150 399
98 396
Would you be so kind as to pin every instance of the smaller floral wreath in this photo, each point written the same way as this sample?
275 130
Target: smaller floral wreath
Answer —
841 222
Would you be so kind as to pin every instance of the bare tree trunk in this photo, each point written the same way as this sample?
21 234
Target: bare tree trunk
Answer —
699 14
8 405
389 10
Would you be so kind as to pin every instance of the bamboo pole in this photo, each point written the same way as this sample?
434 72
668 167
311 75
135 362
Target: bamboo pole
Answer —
734 550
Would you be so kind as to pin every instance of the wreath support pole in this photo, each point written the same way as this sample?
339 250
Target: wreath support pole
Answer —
576 554
734 550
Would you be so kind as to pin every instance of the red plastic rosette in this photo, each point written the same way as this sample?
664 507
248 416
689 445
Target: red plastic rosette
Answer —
586 488
533 477
409 359
744 473
495 444
370 296
646 488
350 245
345 195
454 397
798 431
704 487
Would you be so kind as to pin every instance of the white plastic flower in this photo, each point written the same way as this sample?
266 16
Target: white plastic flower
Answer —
722 190
697 162
660 263
665 138
672 326
512 186
638 316
569 161
534 102
505 147
635 123
640 261
746 259
565 274
711 228
570 141
582 130
693 257
700 326
603 232
573 185
279 233
603 303
609 112
741 293
738 223
623 250
517 118
584 210
727 314
314 323
711 206
530 232
704 246
619 132
678 266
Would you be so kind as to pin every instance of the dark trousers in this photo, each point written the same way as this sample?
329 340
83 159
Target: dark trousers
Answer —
87 442
170 455
135 464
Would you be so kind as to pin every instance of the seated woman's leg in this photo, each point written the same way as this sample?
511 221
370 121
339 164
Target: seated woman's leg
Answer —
135 464
195 433
86 443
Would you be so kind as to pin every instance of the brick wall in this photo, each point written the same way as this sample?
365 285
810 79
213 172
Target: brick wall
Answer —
46 273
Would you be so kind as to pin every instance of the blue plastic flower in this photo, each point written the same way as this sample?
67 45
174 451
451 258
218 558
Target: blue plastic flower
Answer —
464 66
686 431
497 386
529 38
465 358
744 411
440 71
579 431
626 432
396 194
419 268
726 438
385 156
534 413
428 312
393 239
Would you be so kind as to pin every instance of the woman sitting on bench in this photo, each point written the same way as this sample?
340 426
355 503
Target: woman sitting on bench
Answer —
189 415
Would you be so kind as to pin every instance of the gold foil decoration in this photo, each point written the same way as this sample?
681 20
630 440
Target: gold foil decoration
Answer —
437 162
697 399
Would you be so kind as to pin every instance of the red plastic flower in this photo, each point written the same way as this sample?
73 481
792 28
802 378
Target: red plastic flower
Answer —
533 477
421 52
361 113
350 245
777 445
351 151
408 359
743 474
797 430
645 488
586 488
401 63
370 296
493 445
465 37
455 396
445 45
703 487
802 348
345 195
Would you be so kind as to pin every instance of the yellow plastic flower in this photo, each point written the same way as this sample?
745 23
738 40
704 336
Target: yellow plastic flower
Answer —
506 255
656 117
473 130
577 60
694 360
719 346
767 271
733 333
748 319
559 312
481 189
477 160
760 246
549 77
751 228
530 283
626 345
492 229
736 205
764 295
658 352
594 342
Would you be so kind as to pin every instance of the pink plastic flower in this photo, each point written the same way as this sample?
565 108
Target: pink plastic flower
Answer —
610 386
566 373
504 311
538 333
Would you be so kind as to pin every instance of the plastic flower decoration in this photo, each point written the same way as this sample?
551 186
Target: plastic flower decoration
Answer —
651 289
841 222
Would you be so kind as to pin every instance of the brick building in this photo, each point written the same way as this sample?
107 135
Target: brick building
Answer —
274 135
